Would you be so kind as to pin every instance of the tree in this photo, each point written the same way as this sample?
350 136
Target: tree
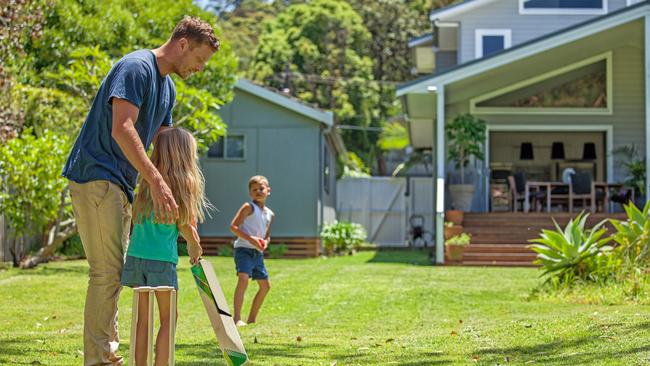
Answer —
59 76
319 52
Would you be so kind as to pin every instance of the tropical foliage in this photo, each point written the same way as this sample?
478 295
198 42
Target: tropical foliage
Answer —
574 252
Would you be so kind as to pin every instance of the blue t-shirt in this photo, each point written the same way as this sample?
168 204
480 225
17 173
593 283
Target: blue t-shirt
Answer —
150 240
95 155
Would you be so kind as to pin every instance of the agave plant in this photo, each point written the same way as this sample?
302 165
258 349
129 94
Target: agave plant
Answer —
571 253
633 236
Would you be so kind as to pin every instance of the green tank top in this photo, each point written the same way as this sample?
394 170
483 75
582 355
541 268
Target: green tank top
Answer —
150 240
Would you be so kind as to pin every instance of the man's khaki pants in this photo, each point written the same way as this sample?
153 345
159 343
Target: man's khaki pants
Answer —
103 216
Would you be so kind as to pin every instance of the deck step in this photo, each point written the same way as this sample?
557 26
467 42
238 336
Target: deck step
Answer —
499 264
502 239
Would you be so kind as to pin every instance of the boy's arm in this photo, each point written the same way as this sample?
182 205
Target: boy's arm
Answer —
267 237
244 211
191 235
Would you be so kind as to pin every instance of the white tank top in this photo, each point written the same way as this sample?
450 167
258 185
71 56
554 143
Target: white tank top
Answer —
256 224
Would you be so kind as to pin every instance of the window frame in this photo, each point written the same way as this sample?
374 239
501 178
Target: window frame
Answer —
481 32
225 147
563 11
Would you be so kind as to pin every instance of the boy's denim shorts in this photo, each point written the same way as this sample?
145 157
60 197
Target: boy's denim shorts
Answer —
251 261
140 272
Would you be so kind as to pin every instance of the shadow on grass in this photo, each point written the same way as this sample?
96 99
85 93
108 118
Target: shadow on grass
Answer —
577 351
301 353
416 257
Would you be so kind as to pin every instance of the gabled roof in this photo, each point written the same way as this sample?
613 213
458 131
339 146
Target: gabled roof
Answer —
325 117
461 7
527 49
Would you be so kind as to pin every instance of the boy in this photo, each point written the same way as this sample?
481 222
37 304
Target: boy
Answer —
252 225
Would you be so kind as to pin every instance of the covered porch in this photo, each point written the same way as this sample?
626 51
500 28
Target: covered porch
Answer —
584 90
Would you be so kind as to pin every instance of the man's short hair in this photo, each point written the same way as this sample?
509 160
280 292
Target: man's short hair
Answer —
196 30
259 179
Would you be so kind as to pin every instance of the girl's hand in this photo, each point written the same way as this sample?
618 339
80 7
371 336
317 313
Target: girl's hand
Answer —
195 252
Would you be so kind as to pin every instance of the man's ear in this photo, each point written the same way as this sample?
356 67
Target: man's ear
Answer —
184 44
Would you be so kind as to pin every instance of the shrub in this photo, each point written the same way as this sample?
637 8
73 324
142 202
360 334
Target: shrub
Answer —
225 251
575 252
342 237
460 240
633 238
277 250
72 248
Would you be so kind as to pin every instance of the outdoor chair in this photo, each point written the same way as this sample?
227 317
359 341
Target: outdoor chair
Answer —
517 183
582 188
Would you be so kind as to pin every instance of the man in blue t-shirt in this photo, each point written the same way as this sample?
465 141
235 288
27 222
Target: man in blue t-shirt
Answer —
133 103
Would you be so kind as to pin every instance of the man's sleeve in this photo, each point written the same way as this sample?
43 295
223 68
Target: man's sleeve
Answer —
130 82
168 118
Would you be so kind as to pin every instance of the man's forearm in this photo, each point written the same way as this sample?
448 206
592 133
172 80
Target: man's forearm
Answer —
129 142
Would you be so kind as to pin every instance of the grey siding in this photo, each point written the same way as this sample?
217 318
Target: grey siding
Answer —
628 118
504 14
283 146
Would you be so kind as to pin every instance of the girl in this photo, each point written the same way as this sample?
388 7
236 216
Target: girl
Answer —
152 254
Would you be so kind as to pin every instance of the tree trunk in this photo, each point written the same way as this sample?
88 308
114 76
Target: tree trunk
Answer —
58 233
56 237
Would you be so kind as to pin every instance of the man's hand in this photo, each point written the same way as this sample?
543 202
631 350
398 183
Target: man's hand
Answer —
164 205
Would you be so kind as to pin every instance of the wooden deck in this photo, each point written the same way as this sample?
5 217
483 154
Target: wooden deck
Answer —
501 239
296 247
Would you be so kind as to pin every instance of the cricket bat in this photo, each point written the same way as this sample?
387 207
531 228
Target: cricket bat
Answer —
219 314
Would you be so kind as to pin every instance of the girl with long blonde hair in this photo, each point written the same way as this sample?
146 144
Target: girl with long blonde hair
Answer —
152 255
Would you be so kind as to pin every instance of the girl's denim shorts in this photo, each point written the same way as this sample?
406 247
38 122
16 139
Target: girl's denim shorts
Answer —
140 272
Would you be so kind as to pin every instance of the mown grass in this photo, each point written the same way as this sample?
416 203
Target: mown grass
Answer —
374 308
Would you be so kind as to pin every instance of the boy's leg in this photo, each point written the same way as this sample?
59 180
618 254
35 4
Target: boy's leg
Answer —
103 217
162 341
142 333
265 287
242 283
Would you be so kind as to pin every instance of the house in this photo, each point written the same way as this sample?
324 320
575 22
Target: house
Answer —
559 83
294 145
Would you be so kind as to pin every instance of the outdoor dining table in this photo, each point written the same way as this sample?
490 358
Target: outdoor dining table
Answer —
537 186
548 187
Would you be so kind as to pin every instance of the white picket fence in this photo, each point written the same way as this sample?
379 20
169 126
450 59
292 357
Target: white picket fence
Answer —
384 205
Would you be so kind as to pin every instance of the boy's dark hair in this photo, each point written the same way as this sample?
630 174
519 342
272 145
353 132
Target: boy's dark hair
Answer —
196 30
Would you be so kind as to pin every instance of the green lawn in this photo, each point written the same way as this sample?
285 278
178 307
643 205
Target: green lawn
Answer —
385 308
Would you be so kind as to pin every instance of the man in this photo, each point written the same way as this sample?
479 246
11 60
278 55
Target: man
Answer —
133 103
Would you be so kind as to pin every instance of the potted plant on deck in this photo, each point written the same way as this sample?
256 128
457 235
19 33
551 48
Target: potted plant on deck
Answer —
465 138
455 247
451 229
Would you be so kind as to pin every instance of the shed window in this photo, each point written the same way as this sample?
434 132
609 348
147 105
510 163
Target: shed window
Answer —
228 147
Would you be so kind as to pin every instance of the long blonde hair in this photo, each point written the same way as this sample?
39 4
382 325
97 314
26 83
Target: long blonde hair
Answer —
175 157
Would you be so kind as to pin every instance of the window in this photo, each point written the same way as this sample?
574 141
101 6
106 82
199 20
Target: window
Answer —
562 6
584 87
228 147
489 41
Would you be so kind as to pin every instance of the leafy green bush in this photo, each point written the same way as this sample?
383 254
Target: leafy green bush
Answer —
460 240
277 250
225 251
342 237
633 238
575 252
72 247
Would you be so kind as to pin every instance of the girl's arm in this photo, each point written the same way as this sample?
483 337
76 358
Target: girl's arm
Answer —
244 211
191 235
